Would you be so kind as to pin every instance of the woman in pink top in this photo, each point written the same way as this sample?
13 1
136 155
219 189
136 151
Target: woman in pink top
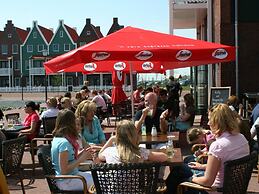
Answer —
31 120
229 145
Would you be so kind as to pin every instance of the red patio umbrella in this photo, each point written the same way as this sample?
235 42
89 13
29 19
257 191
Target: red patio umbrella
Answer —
136 50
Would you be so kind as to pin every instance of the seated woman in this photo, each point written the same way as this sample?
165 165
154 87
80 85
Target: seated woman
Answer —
92 131
229 145
187 113
31 120
124 147
65 153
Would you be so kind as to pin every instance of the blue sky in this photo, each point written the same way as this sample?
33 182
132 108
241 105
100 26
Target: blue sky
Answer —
147 14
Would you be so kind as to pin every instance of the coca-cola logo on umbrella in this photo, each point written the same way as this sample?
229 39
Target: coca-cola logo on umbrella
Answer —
144 55
100 56
183 55
220 54
147 66
119 66
90 66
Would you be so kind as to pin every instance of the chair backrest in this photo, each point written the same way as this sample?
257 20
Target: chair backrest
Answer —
237 174
12 153
49 124
13 116
125 177
44 155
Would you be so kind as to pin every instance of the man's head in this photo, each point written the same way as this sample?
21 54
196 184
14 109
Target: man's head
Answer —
151 99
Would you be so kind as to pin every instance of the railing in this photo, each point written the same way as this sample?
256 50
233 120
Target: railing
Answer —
5 71
189 1
55 88
37 71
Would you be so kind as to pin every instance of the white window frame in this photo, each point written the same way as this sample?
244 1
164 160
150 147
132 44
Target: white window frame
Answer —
65 47
9 35
13 50
29 48
88 32
4 49
61 33
40 47
34 34
55 49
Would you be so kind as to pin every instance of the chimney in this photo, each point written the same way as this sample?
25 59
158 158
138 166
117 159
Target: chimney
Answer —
115 20
98 28
34 23
61 22
9 21
88 21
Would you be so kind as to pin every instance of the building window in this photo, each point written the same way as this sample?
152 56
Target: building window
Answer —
88 33
15 48
30 48
16 64
66 47
61 33
37 63
40 47
55 47
34 34
26 64
4 64
4 48
82 43
9 35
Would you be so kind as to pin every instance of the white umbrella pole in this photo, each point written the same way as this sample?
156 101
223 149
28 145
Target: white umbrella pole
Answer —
131 91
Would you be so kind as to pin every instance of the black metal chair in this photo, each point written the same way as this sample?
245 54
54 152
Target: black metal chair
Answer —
12 154
126 177
12 116
44 155
237 174
48 125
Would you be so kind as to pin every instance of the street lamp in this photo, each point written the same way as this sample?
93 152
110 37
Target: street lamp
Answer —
45 54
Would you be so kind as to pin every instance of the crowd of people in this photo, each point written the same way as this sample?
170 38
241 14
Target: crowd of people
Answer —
78 133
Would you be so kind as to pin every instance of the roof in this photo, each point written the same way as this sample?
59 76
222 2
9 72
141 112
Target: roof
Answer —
22 33
1 34
98 31
46 33
72 32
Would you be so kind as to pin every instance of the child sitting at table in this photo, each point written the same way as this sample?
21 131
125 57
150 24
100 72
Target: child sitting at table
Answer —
197 135
124 147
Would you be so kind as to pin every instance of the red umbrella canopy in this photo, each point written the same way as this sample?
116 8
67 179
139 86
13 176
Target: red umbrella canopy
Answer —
144 50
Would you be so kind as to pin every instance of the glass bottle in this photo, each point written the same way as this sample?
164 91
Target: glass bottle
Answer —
170 147
154 131
143 129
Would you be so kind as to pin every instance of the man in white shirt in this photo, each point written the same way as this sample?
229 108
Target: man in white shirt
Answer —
52 110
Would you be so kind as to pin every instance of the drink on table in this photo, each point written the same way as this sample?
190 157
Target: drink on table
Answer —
170 146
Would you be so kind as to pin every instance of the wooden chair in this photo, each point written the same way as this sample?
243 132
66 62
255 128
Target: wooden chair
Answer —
44 155
12 116
49 124
3 183
237 174
126 177
12 154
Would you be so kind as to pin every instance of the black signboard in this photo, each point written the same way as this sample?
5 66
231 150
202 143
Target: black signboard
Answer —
219 95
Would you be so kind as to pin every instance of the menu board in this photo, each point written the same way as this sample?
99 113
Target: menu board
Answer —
219 95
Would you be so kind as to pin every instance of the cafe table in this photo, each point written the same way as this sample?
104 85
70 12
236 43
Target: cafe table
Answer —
13 131
159 138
